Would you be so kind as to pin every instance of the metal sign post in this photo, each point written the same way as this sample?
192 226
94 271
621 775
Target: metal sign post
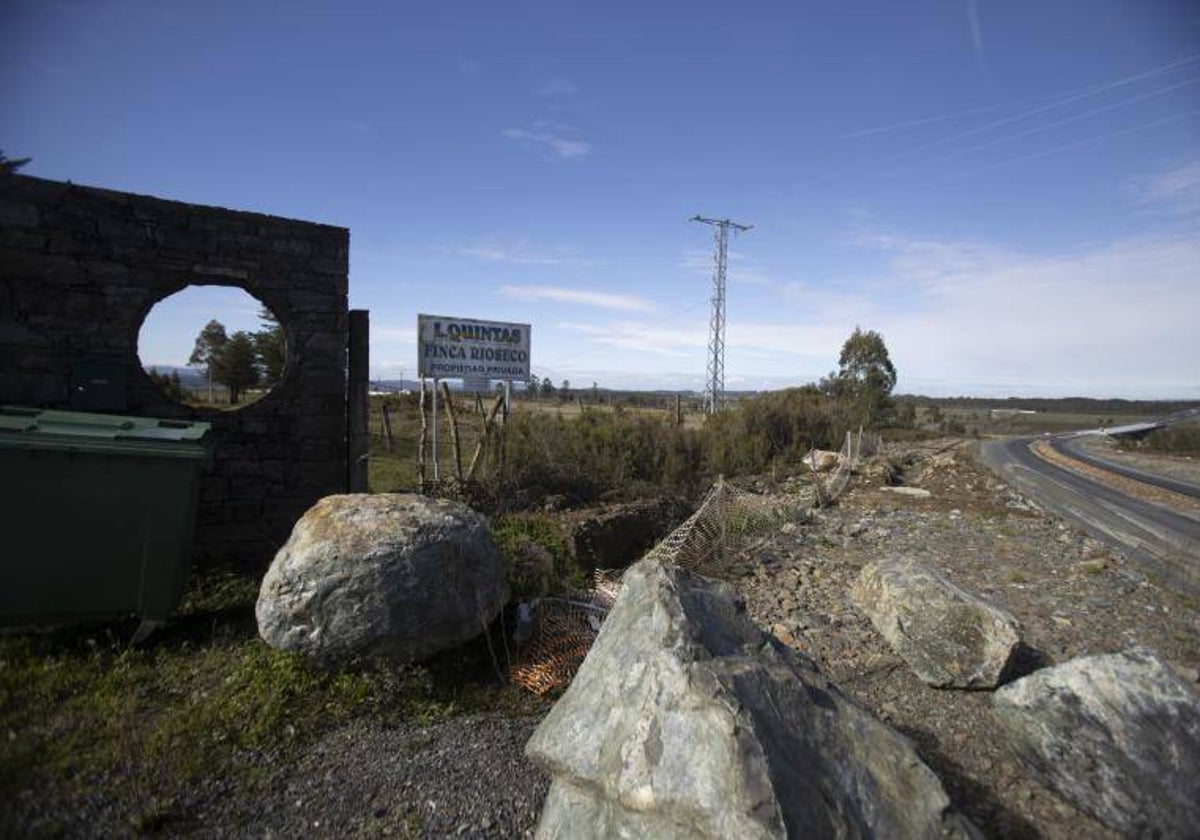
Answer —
435 430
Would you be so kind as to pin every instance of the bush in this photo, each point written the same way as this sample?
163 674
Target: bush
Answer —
775 429
626 454
599 454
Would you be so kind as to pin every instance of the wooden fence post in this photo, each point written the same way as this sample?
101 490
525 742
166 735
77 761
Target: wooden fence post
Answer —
387 427
458 471
424 438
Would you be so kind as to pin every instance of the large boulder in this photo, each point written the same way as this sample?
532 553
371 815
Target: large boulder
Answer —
395 575
686 720
1118 735
949 637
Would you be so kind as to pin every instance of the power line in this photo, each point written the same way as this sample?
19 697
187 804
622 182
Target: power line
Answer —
714 391
948 139
1087 93
1068 120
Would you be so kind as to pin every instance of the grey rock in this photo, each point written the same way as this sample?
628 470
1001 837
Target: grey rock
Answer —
395 575
949 637
1118 735
915 492
686 720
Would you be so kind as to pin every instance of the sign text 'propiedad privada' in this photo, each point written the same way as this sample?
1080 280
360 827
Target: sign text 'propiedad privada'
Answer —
462 348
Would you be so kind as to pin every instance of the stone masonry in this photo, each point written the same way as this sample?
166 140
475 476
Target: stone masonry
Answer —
80 268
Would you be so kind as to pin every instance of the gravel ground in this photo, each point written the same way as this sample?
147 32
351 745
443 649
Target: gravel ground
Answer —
1072 595
464 777
468 776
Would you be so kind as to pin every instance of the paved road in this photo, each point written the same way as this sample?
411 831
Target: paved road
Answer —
1073 448
1166 543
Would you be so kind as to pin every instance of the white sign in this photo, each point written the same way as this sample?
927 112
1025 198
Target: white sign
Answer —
456 348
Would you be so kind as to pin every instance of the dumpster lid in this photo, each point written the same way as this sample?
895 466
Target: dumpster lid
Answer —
78 424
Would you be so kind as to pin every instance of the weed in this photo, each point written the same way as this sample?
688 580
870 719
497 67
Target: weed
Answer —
1092 567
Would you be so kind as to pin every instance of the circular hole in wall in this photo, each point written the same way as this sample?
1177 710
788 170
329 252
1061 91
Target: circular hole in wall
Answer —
215 347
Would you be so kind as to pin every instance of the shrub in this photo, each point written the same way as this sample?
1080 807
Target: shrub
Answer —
1178 439
775 428
601 453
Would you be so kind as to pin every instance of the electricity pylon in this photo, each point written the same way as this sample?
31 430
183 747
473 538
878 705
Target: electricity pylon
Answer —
714 389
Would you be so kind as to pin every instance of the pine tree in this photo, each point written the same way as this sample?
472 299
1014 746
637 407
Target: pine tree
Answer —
237 367
271 347
10 166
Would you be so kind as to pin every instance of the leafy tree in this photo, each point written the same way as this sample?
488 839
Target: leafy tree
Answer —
9 166
564 393
210 345
237 365
547 387
271 347
865 377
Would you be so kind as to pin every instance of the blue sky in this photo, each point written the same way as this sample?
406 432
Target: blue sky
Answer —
1008 192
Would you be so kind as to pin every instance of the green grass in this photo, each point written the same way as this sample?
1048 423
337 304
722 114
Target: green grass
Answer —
397 470
200 699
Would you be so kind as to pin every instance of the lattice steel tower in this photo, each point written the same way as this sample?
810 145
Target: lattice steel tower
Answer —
714 389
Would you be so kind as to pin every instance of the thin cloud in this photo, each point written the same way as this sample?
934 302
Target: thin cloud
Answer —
739 268
976 34
976 312
551 139
402 335
643 336
556 88
561 294
518 253
1175 191
756 339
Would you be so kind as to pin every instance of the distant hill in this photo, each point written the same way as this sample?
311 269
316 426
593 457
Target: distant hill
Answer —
189 377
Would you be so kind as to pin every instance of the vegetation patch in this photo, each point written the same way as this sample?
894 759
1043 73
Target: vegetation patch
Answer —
81 710
536 556
1178 440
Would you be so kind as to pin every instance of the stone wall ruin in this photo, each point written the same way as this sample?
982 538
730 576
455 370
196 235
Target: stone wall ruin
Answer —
80 269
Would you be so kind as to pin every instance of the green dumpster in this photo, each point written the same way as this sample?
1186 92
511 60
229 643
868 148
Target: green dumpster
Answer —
97 513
